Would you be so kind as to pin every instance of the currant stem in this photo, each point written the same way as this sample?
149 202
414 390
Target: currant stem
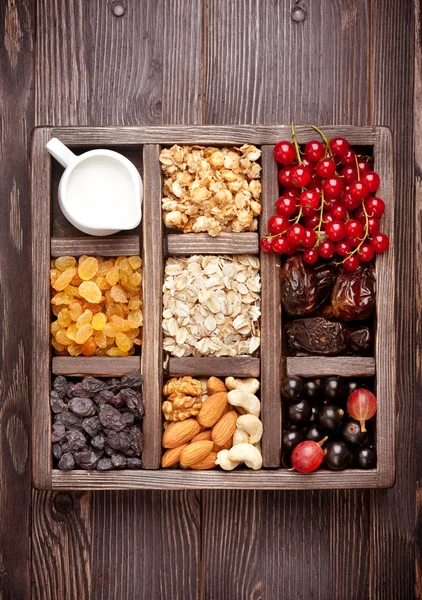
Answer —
357 167
320 218
299 160
365 236
324 139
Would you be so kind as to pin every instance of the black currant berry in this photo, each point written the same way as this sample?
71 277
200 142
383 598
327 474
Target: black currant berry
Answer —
291 439
337 455
352 433
330 417
299 412
291 388
366 458
312 390
313 433
334 390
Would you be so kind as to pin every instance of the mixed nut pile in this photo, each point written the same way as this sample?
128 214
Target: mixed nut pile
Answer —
211 422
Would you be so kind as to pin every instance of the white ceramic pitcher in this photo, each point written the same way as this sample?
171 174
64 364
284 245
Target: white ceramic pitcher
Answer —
100 191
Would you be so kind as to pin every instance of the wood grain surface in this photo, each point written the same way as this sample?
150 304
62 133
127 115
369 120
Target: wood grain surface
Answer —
317 366
240 366
122 246
202 243
95 365
215 62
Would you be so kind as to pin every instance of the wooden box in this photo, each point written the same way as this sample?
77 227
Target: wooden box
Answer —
53 236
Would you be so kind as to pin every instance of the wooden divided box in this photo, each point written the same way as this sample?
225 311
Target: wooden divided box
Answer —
53 236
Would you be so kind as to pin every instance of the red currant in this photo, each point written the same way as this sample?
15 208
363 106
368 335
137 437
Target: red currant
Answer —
359 214
327 218
291 250
358 190
311 222
310 256
343 248
372 180
349 202
354 228
309 200
366 253
315 183
363 166
291 192
339 146
353 241
349 158
326 167
284 152
375 207
286 206
338 211
314 150
373 225
310 238
296 234
333 187
380 243
335 231
266 244
284 177
300 176
349 174
278 224
280 245
326 249
351 263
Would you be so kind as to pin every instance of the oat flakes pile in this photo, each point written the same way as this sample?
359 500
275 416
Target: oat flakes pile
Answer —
211 305
211 189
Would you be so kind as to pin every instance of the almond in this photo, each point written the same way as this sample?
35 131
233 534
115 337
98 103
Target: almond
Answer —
181 432
227 446
171 457
224 429
212 409
215 385
206 463
195 452
203 435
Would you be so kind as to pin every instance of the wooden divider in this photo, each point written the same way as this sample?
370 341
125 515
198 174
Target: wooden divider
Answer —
202 243
117 246
98 366
240 366
323 366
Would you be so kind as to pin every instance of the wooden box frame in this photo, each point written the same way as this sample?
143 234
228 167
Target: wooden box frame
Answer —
148 140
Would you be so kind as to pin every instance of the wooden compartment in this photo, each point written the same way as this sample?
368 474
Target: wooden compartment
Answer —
53 237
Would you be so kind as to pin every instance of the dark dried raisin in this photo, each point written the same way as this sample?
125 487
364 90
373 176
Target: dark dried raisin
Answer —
57 451
75 440
93 385
109 451
67 462
86 460
104 464
56 403
134 463
58 432
128 417
119 461
98 441
136 439
82 407
111 418
116 400
68 419
91 426
60 386
103 397
133 401
132 380
114 385
119 440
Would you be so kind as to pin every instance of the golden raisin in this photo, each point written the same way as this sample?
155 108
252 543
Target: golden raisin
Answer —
65 262
75 310
100 339
123 342
62 338
113 276
98 321
90 291
64 318
83 333
74 349
64 279
135 318
86 317
116 352
61 298
135 262
88 347
118 294
88 268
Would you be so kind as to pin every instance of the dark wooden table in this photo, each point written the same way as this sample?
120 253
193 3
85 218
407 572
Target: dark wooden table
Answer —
74 62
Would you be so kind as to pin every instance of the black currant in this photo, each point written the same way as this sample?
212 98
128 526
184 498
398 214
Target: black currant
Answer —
291 439
330 417
337 455
312 390
313 433
299 412
334 389
352 432
291 388
314 415
366 458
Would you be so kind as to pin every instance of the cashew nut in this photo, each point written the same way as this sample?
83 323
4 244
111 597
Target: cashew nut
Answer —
249 402
248 454
225 462
253 427
250 384
240 437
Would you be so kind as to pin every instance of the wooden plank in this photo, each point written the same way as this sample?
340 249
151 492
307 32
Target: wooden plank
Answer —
153 272
41 353
240 366
322 366
202 243
271 323
203 134
99 366
179 479
123 246
17 117
393 513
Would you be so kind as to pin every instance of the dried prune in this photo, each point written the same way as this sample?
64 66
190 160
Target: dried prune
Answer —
58 432
134 463
136 439
60 386
119 440
104 397
57 451
91 426
119 461
111 418
104 464
319 336
66 462
82 407
98 441
353 295
132 380
92 385
299 290
133 401
56 402
86 460
75 440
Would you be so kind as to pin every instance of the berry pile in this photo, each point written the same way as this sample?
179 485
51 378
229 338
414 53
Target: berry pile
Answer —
326 423
328 204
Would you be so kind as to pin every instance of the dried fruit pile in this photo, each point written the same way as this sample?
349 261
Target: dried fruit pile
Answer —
211 305
98 305
211 423
328 204
96 423
326 423
211 189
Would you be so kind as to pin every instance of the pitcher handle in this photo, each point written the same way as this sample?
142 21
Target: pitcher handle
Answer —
61 152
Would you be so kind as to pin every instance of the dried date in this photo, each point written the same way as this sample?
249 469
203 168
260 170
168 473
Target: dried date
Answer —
323 337
299 290
353 295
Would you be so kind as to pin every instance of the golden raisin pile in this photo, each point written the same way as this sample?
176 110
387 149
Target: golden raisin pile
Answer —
98 305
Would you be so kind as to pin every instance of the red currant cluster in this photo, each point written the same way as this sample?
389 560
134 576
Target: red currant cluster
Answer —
327 205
